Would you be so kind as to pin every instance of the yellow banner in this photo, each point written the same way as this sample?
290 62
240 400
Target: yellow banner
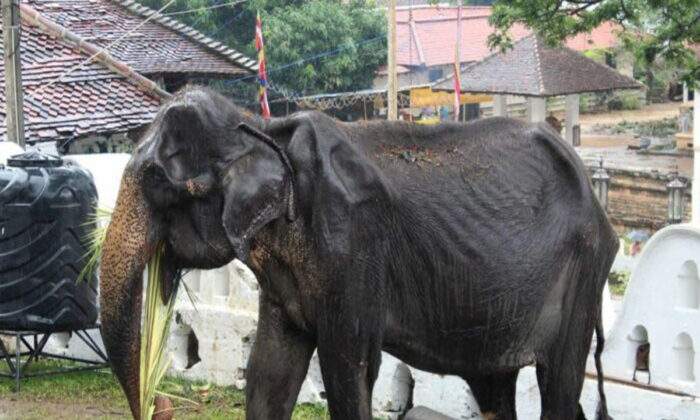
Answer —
426 97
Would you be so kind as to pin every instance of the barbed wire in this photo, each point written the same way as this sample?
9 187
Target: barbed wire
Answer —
339 101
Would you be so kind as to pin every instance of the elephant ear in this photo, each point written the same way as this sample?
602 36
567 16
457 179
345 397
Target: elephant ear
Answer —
335 181
258 186
183 149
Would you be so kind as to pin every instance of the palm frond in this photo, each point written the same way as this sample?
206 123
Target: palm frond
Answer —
94 239
154 335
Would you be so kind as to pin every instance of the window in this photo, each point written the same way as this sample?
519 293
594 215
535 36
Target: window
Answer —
638 353
683 358
688 287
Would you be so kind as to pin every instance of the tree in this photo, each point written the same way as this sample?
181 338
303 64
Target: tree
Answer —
311 46
651 29
350 37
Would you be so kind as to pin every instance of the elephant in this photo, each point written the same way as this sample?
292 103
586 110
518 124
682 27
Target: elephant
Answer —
469 249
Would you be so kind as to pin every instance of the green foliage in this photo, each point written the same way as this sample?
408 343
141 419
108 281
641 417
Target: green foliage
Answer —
296 30
583 103
154 335
95 239
597 54
316 26
618 280
630 102
666 127
651 29
624 103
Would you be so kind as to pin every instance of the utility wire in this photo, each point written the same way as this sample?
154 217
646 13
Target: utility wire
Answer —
227 23
215 6
310 58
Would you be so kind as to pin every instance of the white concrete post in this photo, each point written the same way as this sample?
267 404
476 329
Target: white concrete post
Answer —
685 93
571 116
537 109
696 160
500 106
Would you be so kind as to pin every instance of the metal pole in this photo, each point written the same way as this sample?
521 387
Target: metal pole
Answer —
13 71
18 362
392 102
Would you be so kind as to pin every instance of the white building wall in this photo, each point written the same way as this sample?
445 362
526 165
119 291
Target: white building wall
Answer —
661 307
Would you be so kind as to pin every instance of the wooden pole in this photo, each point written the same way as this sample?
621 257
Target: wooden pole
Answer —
13 71
392 108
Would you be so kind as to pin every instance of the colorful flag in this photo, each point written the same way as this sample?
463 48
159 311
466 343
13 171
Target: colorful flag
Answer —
262 75
458 47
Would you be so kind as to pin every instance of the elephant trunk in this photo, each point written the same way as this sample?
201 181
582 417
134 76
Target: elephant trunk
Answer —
130 240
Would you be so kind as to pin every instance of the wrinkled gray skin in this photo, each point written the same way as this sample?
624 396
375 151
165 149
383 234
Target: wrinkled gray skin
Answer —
464 249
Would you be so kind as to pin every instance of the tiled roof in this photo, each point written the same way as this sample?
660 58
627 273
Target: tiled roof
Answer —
162 45
90 100
426 35
532 69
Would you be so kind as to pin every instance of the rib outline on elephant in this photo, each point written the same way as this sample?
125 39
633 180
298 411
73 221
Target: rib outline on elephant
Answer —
464 249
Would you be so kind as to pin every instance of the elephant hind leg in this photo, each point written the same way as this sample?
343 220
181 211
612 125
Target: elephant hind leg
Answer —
561 370
495 394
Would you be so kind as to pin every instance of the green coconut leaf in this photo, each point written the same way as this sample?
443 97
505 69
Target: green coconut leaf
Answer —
95 239
154 335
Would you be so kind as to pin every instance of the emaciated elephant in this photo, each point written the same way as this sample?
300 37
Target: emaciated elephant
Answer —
462 249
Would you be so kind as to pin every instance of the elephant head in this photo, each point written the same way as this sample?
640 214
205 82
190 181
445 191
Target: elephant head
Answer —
177 190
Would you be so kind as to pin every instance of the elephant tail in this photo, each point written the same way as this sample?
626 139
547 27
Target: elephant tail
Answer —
602 413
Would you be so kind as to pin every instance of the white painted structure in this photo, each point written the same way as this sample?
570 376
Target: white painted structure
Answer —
7 149
661 307
571 112
500 105
536 109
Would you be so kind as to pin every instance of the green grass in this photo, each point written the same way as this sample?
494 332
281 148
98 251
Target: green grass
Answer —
96 394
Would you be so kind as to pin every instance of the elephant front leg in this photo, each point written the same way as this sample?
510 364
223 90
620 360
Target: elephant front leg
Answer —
277 366
349 351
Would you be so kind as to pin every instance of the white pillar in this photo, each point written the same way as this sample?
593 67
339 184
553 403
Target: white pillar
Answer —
500 106
537 109
685 92
571 116
696 159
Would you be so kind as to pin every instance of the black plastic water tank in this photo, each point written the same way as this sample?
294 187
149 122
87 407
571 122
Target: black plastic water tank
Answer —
44 210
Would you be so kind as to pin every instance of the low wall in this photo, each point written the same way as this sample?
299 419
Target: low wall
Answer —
639 200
